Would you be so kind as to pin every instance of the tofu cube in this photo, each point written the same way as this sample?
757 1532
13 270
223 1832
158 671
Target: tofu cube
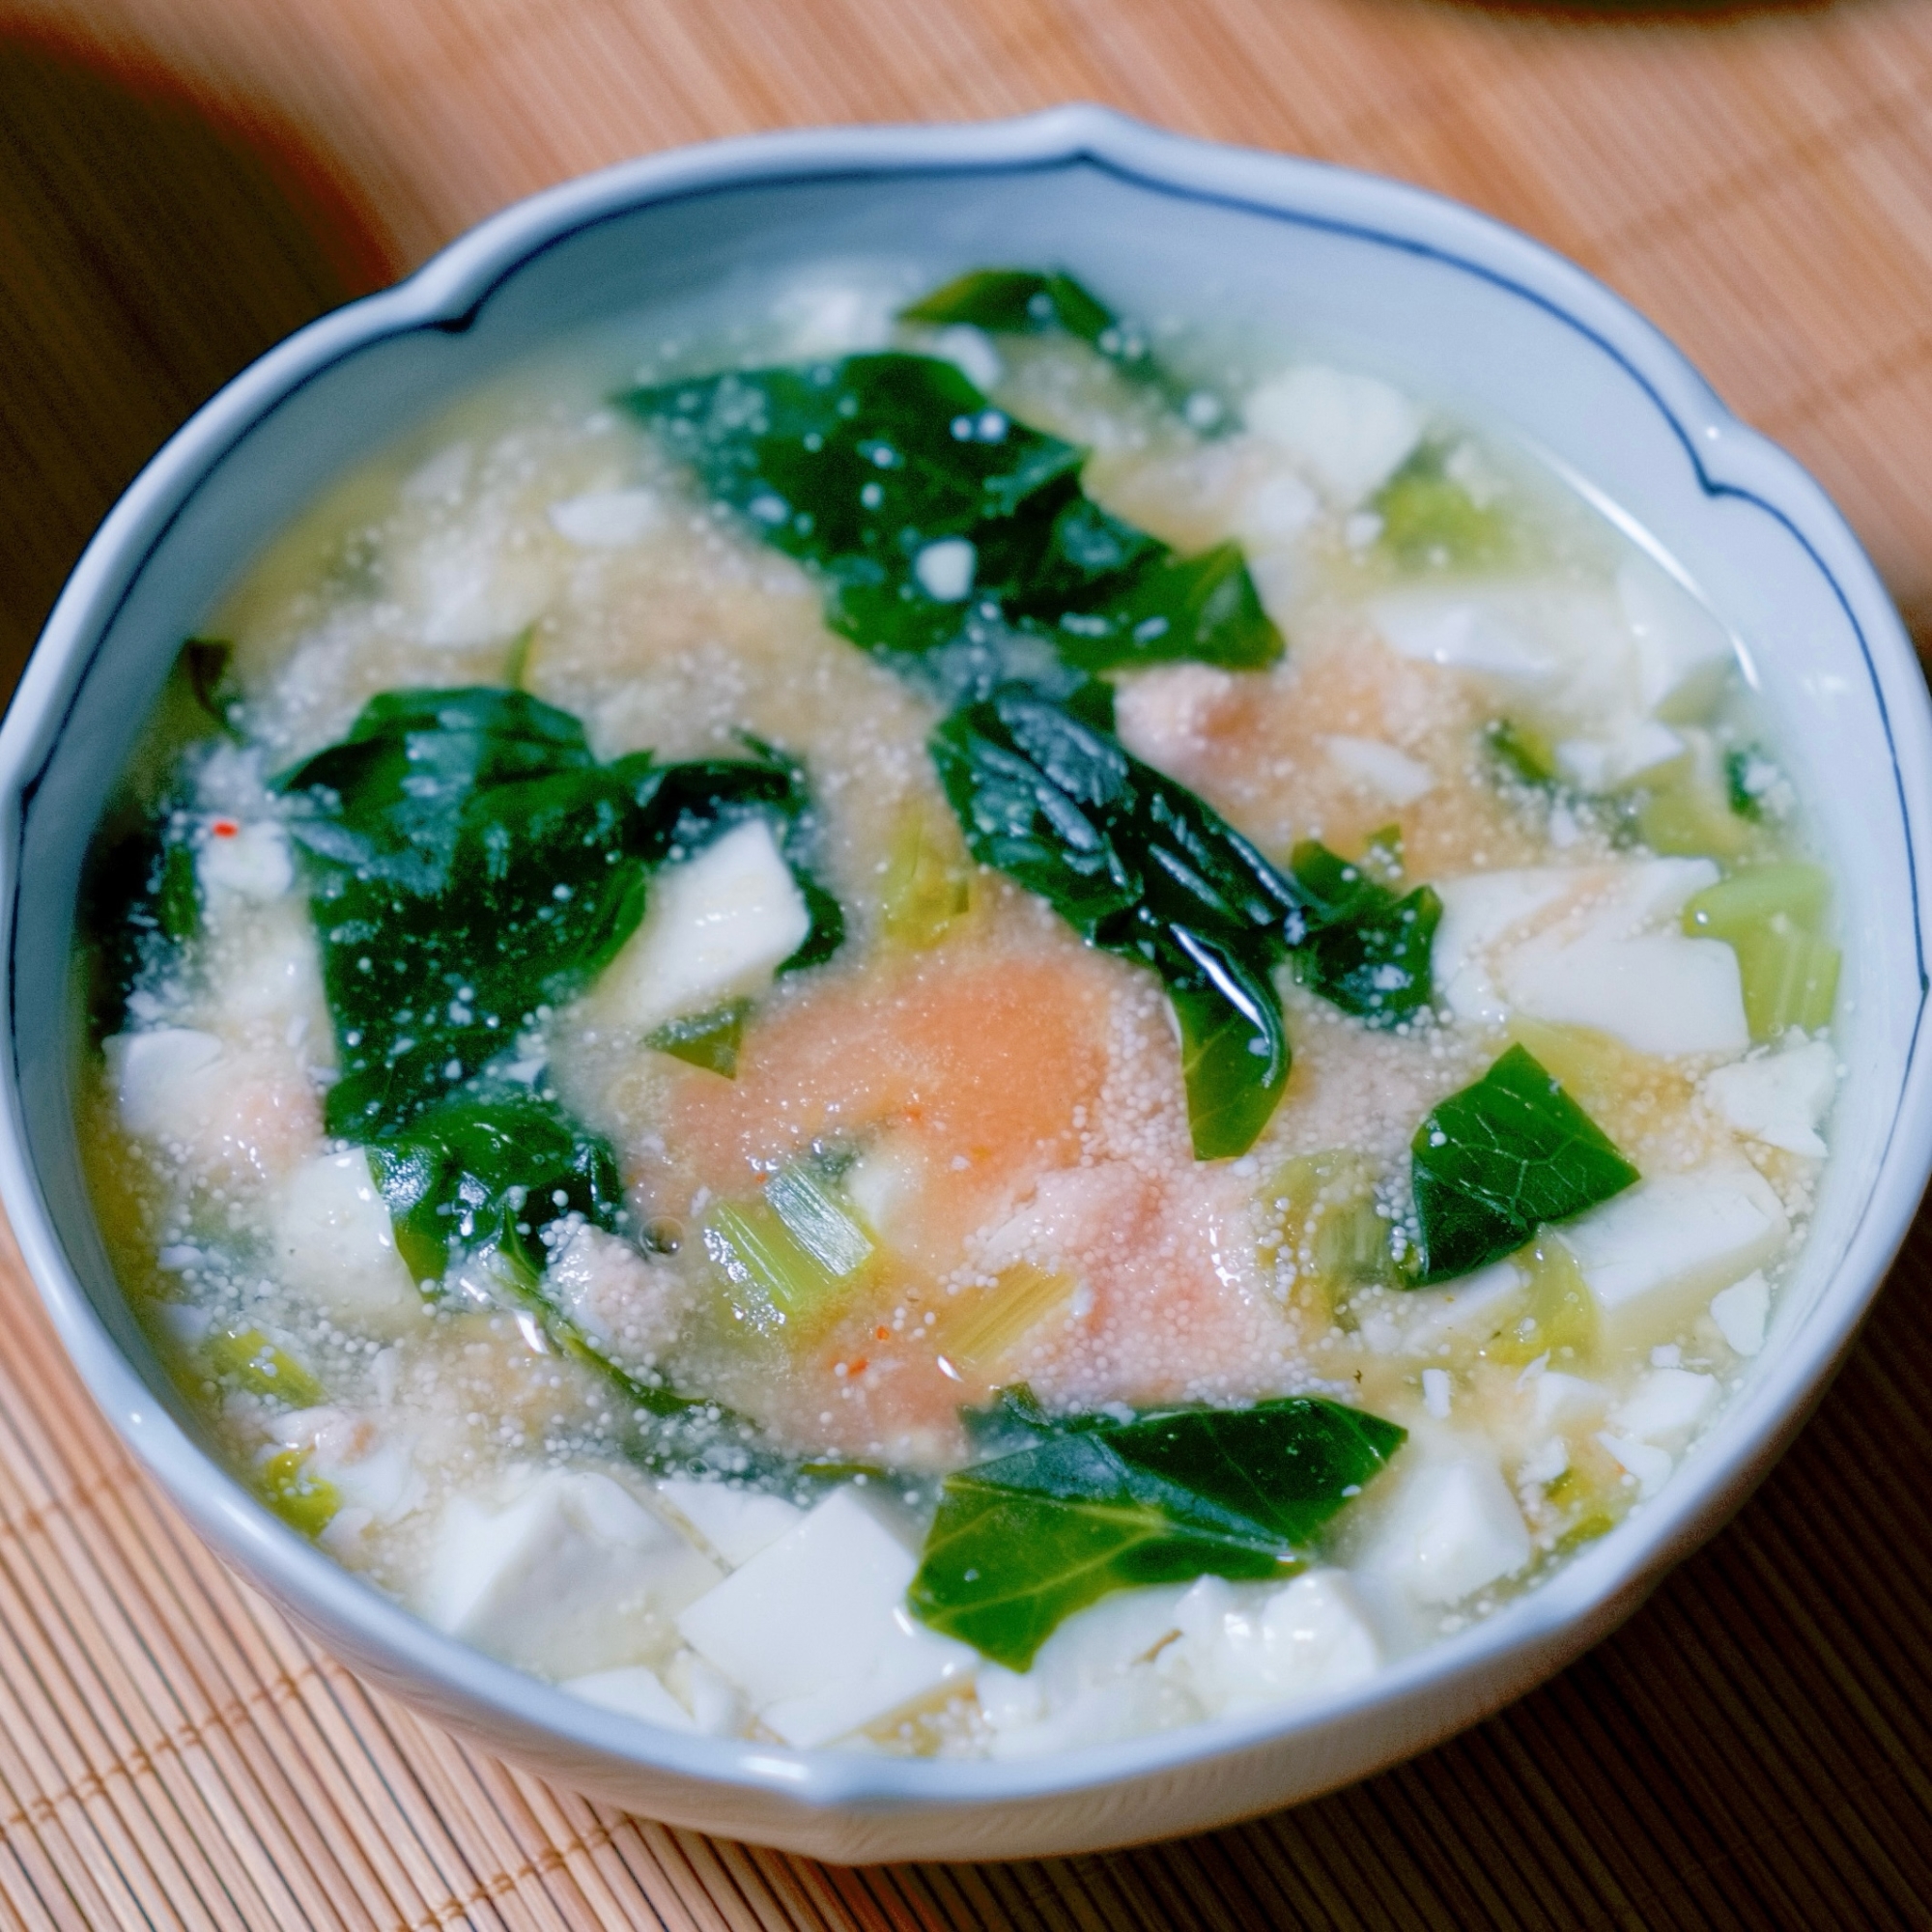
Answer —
815 1627
1741 1312
637 1690
1453 1528
1242 1648
575 1573
333 1242
1653 1257
735 1523
1351 433
1664 1406
718 927
1780 1097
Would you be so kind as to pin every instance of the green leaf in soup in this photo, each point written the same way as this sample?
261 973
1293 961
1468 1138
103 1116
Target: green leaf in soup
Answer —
475 1172
926 508
1141 868
1431 521
1014 301
709 1040
1091 1506
1003 1568
471 861
1290 1464
1494 1162
1366 949
1233 1048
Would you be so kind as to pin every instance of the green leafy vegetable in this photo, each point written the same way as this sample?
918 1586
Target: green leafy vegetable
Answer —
1139 867
709 1040
1365 950
470 862
1523 753
1744 782
1015 301
205 662
470 865
942 526
1091 1505
1773 918
1494 1162
491 1171
1431 521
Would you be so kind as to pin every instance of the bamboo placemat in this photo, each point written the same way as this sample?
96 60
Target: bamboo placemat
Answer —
1756 1747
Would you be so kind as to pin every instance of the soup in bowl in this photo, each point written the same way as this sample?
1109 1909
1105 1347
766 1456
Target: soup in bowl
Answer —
984 1023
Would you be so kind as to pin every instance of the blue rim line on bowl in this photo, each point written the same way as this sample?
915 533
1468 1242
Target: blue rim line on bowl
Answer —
449 295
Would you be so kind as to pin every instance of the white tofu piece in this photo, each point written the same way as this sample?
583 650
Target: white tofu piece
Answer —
1659 992
1453 1528
1682 649
1604 764
716 1704
1469 1311
1275 509
332 1240
464 582
1470 632
1380 768
1648 1464
574 1571
165 1079
1139 1700
1242 1648
606 518
636 1690
1437 1392
1573 946
815 1627
250 862
1741 1312
1093 1681
1652 1257
1780 1097
945 570
718 927
1351 433
1665 1407
735 1523
1479 912
1558 1401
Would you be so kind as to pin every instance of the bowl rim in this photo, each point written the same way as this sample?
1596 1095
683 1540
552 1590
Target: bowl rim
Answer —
447 293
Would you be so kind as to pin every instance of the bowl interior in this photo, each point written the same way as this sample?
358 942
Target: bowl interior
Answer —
1350 270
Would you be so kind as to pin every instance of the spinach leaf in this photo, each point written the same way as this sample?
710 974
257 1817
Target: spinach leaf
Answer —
1492 1163
1023 302
1367 951
1091 1505
470 862
1139 867
924 507
1015 301
486 1174
491 1171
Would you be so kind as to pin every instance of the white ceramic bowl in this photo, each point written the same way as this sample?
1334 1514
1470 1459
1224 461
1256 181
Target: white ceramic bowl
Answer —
1378 276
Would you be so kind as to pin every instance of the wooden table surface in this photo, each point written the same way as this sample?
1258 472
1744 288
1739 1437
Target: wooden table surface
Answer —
184 181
